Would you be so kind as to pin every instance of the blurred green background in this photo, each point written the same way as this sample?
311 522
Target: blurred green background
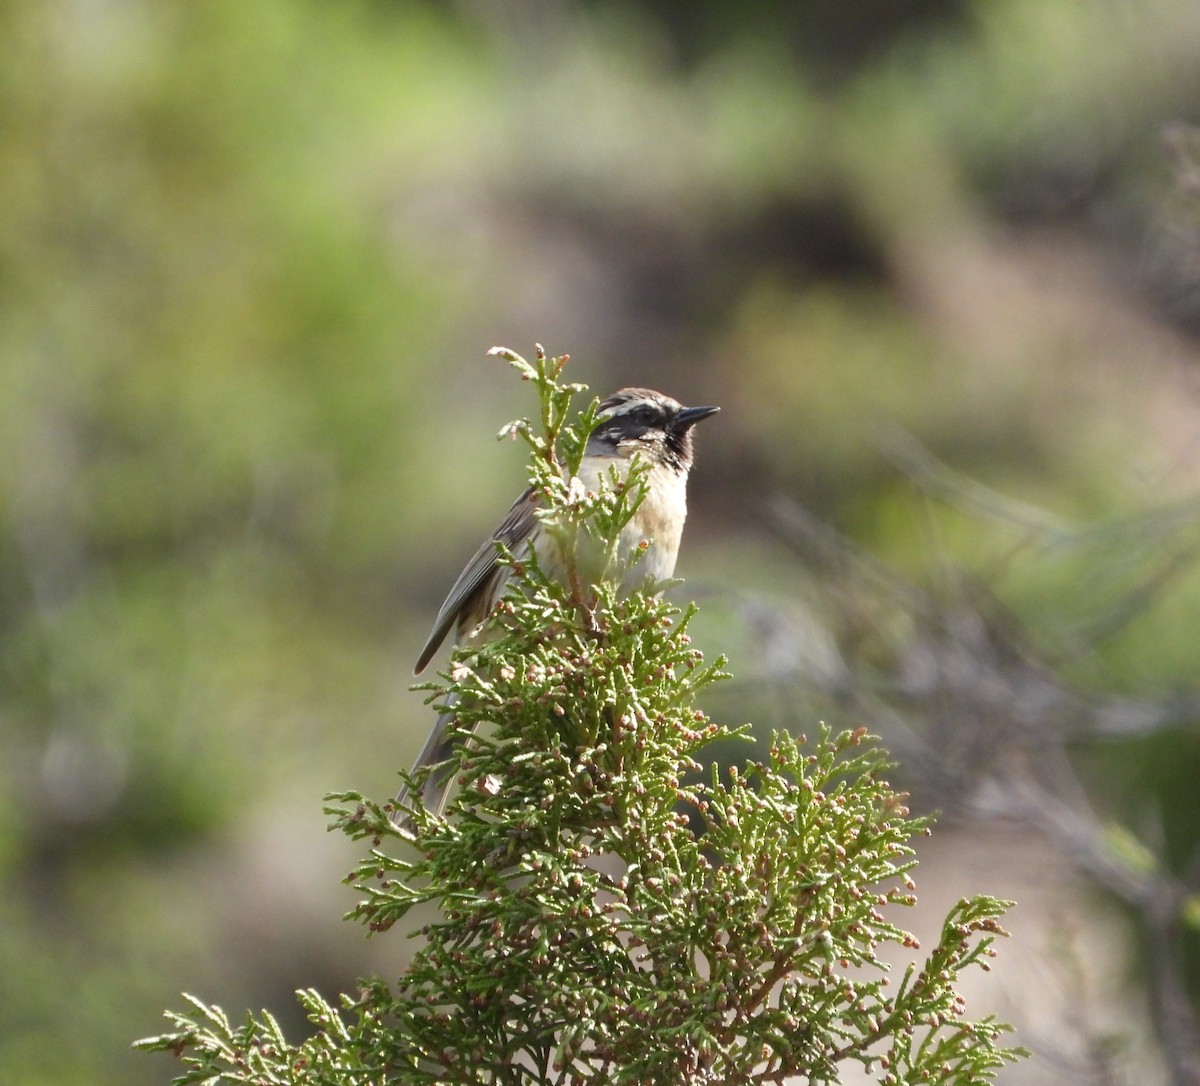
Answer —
251 257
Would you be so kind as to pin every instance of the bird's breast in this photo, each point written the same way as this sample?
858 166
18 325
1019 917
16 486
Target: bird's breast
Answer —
658 520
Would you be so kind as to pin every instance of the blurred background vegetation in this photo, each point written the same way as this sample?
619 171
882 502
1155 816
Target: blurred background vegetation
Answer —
938 261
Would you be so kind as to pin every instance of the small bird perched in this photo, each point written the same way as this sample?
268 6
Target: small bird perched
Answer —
632 421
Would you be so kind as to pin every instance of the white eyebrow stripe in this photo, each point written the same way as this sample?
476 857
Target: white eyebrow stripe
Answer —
630 406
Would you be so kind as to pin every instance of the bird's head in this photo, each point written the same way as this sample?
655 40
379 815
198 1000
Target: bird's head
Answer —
640 420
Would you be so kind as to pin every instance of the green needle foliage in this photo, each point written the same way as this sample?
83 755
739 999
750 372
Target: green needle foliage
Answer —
607 914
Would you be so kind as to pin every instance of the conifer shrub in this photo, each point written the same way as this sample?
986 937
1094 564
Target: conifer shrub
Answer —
608 911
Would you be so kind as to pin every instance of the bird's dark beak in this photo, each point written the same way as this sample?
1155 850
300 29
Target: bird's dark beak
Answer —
689 416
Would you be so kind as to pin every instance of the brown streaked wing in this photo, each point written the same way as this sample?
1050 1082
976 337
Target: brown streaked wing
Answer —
479 573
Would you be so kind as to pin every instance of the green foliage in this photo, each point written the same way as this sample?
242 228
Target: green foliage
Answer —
607 914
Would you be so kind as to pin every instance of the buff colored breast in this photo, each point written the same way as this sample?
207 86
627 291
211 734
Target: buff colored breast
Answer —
659 519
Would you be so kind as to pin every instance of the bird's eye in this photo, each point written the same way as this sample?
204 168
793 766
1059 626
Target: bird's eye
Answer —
646 414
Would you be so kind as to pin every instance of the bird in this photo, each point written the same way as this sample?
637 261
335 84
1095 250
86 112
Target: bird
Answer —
632 422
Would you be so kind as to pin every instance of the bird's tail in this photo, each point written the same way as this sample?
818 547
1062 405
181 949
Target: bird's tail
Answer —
438 748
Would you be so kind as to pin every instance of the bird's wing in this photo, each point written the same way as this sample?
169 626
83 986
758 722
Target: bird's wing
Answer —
480 571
